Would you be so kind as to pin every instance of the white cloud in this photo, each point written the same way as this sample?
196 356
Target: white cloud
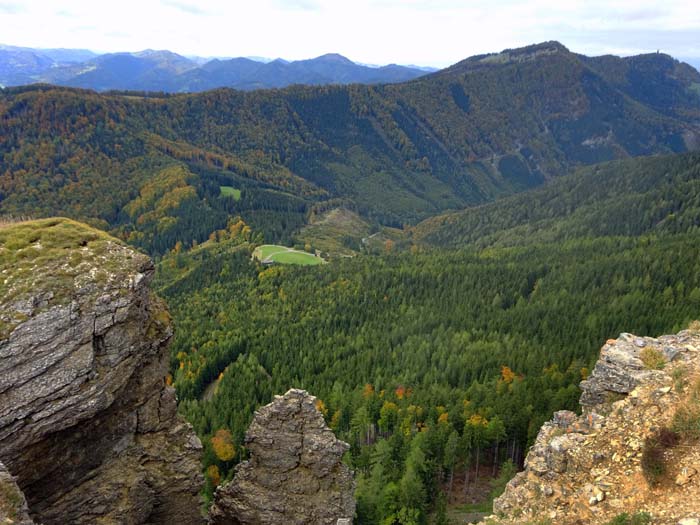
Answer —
10 8
435 32
187 7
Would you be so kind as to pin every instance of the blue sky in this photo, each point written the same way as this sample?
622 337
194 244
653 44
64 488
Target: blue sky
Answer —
436 33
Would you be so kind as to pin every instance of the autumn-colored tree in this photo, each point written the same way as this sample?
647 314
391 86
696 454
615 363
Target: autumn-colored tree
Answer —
476 430
321 407
507 375
400 392
214 475
223 445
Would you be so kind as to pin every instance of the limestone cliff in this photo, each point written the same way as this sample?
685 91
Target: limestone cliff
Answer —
88 426
295 474
633 450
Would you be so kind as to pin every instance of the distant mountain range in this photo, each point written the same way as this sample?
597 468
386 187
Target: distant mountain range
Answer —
166 71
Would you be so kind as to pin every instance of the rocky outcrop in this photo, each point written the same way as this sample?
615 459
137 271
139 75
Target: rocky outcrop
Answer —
13 505
88 426
588 468
620 369
294 475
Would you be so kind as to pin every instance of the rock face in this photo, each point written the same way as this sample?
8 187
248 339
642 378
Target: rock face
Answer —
88 426
588 468
294 475
13 506
618 370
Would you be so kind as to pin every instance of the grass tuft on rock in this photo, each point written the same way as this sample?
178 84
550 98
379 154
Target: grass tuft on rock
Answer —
652 358
638 518
46 261
686 420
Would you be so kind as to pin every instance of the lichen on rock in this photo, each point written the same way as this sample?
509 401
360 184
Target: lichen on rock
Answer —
295 473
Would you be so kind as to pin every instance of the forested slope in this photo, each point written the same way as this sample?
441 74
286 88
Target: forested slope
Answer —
486 127
438 364
656 195
430 362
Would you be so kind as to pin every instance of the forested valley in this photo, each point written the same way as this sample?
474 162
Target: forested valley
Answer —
437 365
486 229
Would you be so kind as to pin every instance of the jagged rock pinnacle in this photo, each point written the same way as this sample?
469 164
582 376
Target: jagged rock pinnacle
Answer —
295 473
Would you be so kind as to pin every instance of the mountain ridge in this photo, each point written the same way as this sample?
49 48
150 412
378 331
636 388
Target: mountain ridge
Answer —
395 153
163 70
639 196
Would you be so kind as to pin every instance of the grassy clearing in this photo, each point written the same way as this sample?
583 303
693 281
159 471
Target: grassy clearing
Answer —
284 255
291 257
338 232
230 191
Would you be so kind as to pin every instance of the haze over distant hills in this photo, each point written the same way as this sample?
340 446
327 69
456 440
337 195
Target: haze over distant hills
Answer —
151 70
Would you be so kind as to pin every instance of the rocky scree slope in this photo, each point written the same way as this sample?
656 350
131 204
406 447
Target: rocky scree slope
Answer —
633 450
88 427
295 473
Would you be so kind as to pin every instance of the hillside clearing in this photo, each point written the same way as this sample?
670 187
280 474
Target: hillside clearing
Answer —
230 191
272 253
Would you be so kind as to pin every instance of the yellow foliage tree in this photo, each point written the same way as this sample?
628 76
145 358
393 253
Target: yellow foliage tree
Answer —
477 420
214 475
321 407
223 445
507 374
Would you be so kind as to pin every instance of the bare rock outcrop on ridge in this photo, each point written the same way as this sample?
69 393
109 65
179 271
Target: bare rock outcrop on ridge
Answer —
88 426
294 475
589 468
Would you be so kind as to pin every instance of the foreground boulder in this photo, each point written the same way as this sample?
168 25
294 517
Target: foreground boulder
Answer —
88 426
589 469
294 475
